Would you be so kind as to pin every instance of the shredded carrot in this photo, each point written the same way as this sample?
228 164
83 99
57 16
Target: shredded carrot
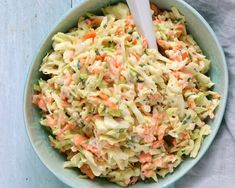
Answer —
184 55
185 135
164 44
122 78
147 170
160 163
155 97
119 31
115 70
61 118
95 69
176 74
191 104
100 58
95 117
145 157
65 126
129 21
178 58
111 104
92 117
161 132
72 126
60 136
42 104
180 27
134 40
88 118
69 126
115 66
148 173
158 117
82 101
64 103
49 100
79 139
85 169
140 86
51 122
147 134
93 149
114 62
90 35
157 144
103 96
107 78
183 84
40 101
216 96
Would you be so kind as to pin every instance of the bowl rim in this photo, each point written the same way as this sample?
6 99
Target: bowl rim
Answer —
222 105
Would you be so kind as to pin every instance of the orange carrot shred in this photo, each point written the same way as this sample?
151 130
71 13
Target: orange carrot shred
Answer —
87 170
90 35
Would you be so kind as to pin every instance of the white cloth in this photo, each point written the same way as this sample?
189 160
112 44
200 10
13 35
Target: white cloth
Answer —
217 168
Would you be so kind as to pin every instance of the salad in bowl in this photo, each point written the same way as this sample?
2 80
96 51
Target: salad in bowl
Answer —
118 109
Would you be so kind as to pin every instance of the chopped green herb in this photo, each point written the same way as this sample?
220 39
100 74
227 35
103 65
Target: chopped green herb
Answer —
89 15
186 120
97 52
190 55
36 87
78 65
83 77
140 79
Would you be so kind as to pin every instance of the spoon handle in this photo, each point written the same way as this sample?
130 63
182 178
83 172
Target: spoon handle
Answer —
143 19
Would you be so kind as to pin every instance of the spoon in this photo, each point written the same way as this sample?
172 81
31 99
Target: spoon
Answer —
141 12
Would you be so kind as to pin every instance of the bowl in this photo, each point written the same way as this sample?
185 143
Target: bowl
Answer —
53 160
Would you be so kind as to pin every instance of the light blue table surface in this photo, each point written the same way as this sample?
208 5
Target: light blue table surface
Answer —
23 25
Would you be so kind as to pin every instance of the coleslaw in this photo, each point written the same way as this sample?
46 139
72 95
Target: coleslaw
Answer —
118 109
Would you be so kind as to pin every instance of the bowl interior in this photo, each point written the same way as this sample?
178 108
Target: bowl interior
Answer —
206 39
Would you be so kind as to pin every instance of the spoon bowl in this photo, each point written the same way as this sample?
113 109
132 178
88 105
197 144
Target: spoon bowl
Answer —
141 13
